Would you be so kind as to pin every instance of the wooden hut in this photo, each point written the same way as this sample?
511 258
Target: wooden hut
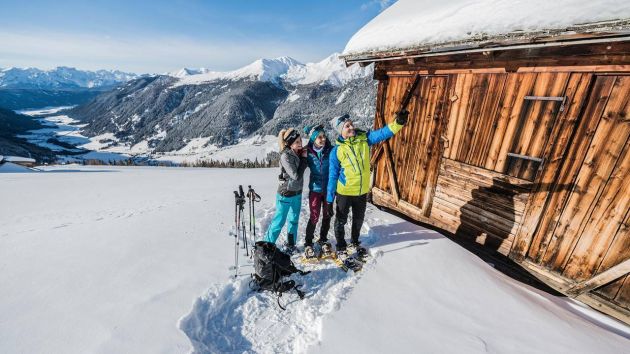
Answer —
518 139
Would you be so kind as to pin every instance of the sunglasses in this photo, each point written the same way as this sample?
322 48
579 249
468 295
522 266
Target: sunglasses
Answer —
292 136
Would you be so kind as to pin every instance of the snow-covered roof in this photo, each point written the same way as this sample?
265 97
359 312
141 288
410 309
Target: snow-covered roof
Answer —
425 25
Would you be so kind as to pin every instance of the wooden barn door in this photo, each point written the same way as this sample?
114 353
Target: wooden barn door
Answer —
586 231
407 165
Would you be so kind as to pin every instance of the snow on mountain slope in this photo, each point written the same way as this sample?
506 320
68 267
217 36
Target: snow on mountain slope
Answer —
262 69
61 78
184 72
331 70
114 260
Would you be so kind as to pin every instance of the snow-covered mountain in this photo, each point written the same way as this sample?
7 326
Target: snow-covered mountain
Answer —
331 70
61 78
272 70
167 112
183 72
62 86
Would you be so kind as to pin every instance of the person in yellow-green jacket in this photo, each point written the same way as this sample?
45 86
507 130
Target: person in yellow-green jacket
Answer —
349 176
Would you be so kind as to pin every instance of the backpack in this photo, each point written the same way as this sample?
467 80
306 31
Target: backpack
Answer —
270 266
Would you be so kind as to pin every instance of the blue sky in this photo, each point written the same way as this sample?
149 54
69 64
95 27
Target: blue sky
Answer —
159 36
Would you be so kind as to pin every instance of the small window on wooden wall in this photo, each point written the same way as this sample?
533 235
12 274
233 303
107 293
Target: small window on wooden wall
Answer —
533 128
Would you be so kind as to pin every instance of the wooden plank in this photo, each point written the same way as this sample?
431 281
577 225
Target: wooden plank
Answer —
610 291
581 140
486 198
460 117
604 221
576 69
618 251
502 191
507 100
573 55
606 147
547 191
455 102
478 90
438 148
609 308
536 120
479 203
480 219
485 130
411 137
394 95
380 197
375 161
623 296
513 111
427 146
601 279
545 124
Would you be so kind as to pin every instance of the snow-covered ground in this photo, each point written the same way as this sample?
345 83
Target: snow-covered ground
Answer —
253 148
136 260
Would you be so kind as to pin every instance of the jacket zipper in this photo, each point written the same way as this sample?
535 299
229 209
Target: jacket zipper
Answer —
360 172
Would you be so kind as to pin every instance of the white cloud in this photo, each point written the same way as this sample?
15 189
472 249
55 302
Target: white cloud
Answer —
137 54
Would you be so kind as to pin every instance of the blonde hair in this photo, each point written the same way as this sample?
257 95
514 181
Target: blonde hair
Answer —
282 135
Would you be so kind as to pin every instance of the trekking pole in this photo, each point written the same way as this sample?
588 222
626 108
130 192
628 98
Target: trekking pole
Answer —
242 219
254 198
236 233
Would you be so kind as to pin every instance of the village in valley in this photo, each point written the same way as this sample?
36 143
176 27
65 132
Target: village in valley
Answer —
453 178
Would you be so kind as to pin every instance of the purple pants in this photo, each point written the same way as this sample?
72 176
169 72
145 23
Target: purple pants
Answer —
317 202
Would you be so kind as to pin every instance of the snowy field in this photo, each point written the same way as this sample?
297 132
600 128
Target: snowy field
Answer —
136 260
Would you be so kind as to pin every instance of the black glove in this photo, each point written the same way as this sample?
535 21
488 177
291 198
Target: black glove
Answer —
330 209
402 117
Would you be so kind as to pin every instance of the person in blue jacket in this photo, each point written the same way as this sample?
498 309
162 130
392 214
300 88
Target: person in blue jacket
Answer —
317 157
349 175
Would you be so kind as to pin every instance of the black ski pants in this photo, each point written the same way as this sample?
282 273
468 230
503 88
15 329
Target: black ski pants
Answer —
345 203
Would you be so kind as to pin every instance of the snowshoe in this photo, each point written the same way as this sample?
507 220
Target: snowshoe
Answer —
360 253
309 252
326 250
353 263
347 261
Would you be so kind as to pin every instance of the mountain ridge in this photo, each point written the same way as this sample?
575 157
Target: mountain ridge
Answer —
164 112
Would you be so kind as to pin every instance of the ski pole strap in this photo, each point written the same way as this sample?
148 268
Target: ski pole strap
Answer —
279 304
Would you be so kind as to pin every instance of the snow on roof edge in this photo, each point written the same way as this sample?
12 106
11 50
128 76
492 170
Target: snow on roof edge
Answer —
503 41
421 26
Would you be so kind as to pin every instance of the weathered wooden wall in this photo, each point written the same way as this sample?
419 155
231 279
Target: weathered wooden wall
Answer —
533 164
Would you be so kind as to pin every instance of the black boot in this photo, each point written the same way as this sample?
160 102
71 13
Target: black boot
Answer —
323 231
290 245
310 233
